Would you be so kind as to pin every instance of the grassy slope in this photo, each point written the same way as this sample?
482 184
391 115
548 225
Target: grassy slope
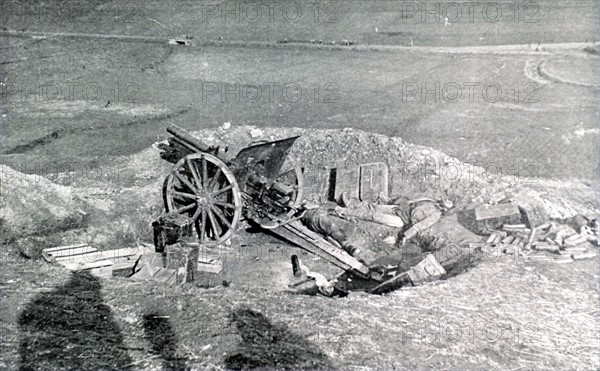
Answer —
370 95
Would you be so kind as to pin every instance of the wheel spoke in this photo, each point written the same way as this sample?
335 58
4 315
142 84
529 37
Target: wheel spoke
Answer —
186 208
224 204
222 190
182 194
220 215
214 180
194 173
203 229
204 173
186 182
197 212
214 225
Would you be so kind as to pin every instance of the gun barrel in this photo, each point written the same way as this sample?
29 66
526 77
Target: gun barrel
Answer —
188 138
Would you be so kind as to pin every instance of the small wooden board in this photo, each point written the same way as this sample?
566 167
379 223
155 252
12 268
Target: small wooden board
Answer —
51 255
84 257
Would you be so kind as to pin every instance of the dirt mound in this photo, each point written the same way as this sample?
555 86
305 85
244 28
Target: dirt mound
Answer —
32 205
415 169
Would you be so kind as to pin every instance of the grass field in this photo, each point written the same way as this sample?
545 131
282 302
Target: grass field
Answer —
56 89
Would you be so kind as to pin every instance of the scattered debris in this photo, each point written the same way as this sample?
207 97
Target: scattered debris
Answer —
183 40
486 219
317 42
534 215
256 133
169 228
583 256
560 240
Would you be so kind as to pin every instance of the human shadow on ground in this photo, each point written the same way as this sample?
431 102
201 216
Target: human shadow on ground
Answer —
268 345
71 327
160 334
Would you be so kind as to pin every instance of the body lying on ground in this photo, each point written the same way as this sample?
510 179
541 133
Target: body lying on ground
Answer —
411 216
440 235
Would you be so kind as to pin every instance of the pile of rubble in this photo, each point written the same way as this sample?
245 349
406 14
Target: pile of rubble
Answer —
525 231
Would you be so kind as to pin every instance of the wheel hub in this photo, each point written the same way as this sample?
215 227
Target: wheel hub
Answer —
202 199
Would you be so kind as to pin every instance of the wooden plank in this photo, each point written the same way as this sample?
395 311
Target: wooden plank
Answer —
86 258
166 276
373 181
316 184
207 258
298 234
102 272
392 284
96 264
58 248
72 252
80 266
347 180
120 253
126 258
95 255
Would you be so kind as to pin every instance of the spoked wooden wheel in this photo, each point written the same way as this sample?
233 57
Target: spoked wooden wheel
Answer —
202 187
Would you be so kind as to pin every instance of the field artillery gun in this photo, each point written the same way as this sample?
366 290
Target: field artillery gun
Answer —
215 193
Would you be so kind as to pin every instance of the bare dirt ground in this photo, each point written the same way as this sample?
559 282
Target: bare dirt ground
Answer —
84 112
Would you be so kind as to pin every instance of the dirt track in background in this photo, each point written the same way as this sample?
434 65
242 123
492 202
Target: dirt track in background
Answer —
100 98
